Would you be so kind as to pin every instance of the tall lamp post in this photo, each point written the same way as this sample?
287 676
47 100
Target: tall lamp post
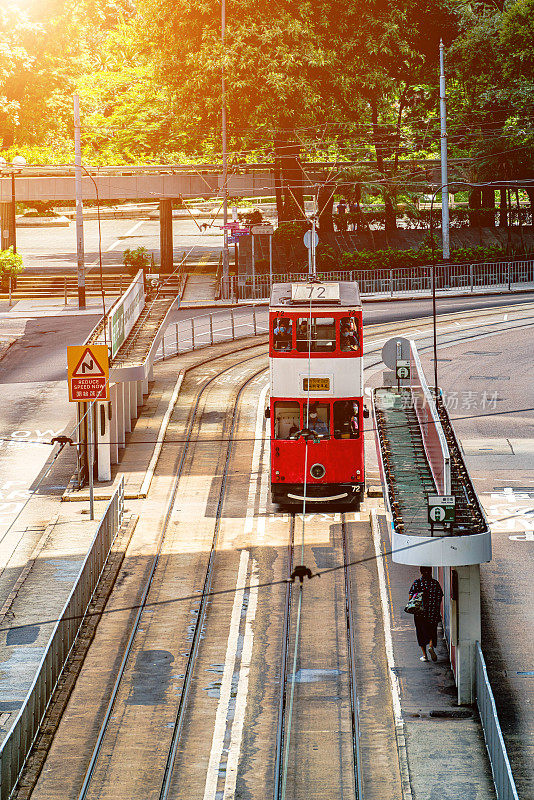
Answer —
12 168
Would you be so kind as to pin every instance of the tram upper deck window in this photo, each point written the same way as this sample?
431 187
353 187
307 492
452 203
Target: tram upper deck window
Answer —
346 419
286 419
349 337
318 335
282 334
318 419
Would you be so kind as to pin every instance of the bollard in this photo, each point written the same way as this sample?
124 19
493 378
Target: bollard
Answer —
177 342
211 329
232 323
254 320
192 333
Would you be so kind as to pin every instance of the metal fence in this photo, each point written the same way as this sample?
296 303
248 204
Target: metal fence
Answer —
500 766
407 280
19 741
209 329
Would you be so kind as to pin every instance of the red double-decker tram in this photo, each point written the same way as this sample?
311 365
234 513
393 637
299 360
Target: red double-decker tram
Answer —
316 406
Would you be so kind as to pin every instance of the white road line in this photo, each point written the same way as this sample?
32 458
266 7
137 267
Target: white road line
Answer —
219 731
242 689
124 235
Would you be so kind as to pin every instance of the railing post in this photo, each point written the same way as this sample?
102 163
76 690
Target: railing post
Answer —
391 282
254 320
177 341
163 346
472 277
10 288
120 283
509 277
211 328
65 287
232 323
192 333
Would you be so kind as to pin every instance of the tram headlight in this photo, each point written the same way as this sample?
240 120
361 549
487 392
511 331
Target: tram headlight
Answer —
317 471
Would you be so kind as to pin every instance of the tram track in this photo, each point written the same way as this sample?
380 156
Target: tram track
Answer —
167 781
206 588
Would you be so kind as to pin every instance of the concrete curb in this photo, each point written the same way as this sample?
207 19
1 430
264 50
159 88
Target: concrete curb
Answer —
147 480
400 729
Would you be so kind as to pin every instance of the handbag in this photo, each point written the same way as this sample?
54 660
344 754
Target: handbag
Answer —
415 603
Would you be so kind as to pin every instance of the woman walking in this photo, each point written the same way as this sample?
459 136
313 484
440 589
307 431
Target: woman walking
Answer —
426 620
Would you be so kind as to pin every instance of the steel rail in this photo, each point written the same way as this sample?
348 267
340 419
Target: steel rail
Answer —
142 604
351 649
200 617
281 725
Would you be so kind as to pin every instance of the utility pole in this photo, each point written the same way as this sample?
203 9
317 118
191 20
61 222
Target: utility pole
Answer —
444 176
79 202
226 255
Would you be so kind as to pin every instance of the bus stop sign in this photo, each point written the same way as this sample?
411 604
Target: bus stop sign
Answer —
441 508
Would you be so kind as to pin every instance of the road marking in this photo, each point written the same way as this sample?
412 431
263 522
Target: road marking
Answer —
221 717
128 233
242 689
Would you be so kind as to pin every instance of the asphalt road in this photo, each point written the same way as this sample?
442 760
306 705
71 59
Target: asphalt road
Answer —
35 403
54 249
488 388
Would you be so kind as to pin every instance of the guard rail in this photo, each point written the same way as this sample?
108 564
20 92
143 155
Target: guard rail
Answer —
18 743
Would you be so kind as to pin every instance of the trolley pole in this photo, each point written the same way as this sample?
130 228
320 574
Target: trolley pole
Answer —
79 202
226 254
444 176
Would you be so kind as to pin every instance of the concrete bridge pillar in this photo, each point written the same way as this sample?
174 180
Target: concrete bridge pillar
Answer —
165 235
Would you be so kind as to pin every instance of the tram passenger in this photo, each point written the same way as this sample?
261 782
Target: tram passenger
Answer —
354 423
347 337
282 335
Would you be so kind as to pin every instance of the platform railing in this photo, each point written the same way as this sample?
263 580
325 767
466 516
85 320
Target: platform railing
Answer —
500 765
209 329
393 282
21 737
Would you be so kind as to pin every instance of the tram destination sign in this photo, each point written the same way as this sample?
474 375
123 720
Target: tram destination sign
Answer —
316 384
441 508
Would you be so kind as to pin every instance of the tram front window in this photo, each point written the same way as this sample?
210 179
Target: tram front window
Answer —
318 419
348 334
286 419
282 334
318 335
346 419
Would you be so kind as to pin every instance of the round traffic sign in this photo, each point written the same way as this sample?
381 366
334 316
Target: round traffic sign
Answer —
308 239
389 351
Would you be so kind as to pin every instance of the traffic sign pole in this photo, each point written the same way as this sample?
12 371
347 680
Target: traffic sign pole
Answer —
90 459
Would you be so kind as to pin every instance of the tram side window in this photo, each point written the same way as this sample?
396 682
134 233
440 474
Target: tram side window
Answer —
346 419
318 419
286 419
317 335
282 334
349 338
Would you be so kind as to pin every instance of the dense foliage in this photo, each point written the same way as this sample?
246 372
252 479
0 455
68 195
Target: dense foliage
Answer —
304 80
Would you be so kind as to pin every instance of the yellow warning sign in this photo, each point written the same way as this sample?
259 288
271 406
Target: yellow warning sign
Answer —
88 372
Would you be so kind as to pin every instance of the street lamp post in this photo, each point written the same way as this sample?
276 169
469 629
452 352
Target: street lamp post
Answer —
12 168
